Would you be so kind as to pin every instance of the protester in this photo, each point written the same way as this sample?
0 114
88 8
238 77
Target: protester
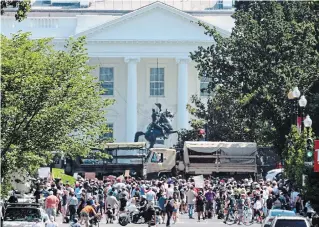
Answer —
169 208
191 197
51 205
173 196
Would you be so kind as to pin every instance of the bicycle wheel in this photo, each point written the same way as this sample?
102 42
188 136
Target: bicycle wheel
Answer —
247 217
231 218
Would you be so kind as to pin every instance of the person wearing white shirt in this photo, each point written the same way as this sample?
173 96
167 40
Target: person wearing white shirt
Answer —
169 191
191 197
258 207
150 196
265 193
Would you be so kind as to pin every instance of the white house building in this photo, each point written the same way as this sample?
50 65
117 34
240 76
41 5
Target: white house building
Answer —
141 56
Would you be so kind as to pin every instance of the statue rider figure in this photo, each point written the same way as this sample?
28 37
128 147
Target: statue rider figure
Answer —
155 119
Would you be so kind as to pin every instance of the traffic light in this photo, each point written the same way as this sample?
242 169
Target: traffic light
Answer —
309 149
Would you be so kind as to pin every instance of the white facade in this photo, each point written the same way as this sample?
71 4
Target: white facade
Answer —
142 57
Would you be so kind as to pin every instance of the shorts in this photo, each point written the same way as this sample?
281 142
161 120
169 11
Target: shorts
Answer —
200 209
163 211
51 212
209 205
84 214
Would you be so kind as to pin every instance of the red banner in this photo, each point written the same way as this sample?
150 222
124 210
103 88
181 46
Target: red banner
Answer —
316 157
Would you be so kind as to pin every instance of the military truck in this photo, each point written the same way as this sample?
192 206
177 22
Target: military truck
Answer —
123 157
206 158
196 158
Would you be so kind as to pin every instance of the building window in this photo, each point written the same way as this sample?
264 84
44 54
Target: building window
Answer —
157 82
107 80
204 82
109 134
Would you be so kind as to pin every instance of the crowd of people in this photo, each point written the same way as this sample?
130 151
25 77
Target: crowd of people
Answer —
214 198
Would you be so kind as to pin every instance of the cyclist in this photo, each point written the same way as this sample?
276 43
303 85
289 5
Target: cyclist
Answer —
230 204
87 212
240 206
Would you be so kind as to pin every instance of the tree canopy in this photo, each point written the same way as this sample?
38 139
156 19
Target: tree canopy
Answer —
272 48
23 7
49 102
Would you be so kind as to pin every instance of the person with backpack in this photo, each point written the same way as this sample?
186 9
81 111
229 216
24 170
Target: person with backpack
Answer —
230 203
169 208
200 203
101 198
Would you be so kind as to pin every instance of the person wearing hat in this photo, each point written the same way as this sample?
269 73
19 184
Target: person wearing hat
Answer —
72 204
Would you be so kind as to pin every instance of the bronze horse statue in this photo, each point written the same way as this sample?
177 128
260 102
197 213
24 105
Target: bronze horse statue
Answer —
152 133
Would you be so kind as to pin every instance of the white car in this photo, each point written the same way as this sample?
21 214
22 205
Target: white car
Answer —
274 174
275 213
24 215
290 222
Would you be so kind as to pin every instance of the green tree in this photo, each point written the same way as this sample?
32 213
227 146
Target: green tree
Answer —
295 154
23 7
272 48
49 102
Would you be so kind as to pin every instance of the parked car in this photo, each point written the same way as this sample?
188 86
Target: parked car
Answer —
290 222
274 174
274 213
24 215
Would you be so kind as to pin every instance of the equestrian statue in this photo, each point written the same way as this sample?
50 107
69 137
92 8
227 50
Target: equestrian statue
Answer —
160 127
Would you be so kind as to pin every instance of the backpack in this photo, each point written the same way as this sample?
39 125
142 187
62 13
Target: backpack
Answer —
240 203
100 197
232 202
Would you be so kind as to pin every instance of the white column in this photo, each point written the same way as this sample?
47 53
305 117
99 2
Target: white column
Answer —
131 100
182 114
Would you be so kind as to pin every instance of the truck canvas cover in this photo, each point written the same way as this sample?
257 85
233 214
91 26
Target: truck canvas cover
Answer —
221 156
136 145
127 153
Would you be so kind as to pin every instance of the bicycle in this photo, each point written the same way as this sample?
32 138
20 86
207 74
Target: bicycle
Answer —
231 216
247 216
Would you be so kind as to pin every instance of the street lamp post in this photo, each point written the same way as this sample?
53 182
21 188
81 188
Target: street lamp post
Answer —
296 95
307 122
293 95
302 103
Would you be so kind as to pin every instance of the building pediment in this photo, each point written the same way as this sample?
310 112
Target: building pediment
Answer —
155 22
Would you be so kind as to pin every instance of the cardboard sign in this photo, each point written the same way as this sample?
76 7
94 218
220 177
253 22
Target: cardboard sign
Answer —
89 175
199 181
127 173
44 172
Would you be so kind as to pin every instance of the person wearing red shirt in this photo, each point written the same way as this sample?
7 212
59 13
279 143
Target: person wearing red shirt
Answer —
51 205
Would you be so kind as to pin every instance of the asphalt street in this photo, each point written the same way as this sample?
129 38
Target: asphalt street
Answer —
183 221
